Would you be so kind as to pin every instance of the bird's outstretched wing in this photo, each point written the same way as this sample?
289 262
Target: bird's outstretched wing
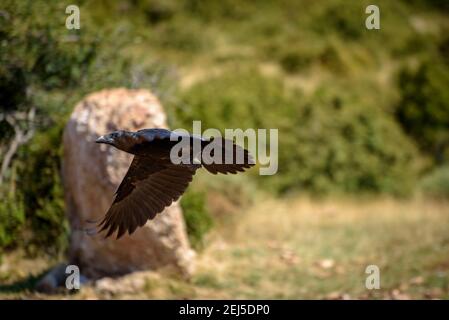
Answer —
147 188
233 158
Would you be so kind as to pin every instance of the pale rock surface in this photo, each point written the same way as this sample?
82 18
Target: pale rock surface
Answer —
91 174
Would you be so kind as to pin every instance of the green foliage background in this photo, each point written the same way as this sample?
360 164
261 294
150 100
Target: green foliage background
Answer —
358 111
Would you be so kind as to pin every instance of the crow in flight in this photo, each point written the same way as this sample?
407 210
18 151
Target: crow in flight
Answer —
153 180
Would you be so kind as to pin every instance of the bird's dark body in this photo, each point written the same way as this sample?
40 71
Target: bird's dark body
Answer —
153 181
155 149
156 143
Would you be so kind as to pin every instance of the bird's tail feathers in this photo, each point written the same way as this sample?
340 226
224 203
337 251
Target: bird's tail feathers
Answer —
232 159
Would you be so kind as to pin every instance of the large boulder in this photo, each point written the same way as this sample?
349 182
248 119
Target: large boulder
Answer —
92 173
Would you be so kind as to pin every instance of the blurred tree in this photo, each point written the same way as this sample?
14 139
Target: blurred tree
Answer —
336 138
333 141
423 109
44 70
38 58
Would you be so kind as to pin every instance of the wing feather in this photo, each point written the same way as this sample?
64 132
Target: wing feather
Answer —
147 188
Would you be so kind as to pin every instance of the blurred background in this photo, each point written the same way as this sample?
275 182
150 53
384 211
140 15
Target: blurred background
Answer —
363 119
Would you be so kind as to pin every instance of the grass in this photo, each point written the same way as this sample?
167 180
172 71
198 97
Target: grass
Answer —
306 249
309 249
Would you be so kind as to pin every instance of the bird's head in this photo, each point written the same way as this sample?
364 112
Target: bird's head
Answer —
123 140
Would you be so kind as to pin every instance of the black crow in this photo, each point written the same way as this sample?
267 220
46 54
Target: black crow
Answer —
153 180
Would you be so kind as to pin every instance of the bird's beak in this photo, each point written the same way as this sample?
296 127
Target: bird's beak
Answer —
104 139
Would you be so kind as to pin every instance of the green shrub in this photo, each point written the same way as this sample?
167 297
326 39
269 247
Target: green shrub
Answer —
423 109
12 217
340 144
46 66
331 142
343 18
36 63
331 59
157 11
293 62
439 5
182 35
197 218
40 183
436 183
